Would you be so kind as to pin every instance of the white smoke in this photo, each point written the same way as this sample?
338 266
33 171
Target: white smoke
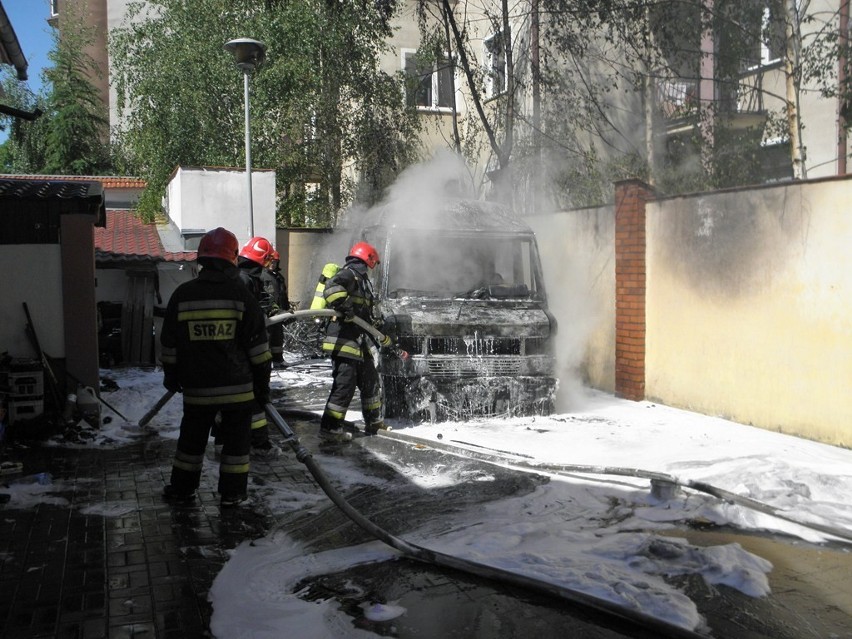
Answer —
423 190
577 313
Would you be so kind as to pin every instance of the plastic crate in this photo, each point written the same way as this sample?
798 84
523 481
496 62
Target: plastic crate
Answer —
23 383
29 408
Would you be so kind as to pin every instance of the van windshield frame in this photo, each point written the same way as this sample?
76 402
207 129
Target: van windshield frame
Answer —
442 264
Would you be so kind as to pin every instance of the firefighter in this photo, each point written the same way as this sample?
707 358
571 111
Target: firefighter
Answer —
215 351
275 286
252 262
353 365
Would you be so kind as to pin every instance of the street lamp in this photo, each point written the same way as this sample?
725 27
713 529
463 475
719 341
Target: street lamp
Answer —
248 54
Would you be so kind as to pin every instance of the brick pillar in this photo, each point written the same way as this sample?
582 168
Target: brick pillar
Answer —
630 199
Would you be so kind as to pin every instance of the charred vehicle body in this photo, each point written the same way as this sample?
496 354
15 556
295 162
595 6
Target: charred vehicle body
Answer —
461 290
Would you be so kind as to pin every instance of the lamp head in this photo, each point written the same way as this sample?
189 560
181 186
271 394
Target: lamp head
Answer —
248 54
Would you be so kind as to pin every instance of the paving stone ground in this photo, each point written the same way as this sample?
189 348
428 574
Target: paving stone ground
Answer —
110 559
143 570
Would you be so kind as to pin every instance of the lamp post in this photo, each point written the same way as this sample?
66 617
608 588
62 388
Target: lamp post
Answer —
248 54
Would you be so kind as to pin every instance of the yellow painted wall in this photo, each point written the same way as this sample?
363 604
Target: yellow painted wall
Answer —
749 307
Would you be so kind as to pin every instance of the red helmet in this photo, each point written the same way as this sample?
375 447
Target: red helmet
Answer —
365 252
257 249
219 243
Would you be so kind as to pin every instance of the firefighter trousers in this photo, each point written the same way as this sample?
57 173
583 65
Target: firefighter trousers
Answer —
234 433
276 342
259 428
347 375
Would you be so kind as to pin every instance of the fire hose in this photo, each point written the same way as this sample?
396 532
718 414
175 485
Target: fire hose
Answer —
646 625
380 337
282 318
147 417
641 623
657 479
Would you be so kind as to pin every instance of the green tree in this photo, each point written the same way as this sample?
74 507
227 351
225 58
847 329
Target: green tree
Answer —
24 150
77 127
597 87
71 136
323 115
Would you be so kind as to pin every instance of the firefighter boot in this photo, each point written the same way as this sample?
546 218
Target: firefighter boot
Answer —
334 435
373 429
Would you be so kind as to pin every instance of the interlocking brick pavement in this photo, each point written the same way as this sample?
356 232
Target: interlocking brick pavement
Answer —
136 566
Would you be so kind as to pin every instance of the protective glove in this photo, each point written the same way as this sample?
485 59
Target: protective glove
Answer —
171 383
387 340
347 311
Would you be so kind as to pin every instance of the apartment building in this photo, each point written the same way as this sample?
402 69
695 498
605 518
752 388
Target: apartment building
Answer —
686 91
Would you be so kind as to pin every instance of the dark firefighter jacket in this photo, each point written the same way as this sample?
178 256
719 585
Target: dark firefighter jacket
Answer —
214 340
275 291
251 274
349 290
267 287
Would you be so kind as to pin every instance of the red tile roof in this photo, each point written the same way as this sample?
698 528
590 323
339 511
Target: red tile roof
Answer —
108 181
127 239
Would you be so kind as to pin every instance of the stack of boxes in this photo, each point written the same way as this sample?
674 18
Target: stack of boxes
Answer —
22 382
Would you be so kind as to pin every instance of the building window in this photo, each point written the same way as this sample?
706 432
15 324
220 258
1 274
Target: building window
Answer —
495 65
54 8
769 38
429 85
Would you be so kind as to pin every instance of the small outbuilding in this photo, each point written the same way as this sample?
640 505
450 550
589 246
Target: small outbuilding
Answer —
48 312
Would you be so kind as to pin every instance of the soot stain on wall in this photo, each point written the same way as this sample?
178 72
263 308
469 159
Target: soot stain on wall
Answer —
735 243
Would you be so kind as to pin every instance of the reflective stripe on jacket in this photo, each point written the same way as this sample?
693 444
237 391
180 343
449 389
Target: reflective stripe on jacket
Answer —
214 339
348 288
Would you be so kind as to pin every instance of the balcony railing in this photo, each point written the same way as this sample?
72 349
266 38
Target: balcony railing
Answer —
677 98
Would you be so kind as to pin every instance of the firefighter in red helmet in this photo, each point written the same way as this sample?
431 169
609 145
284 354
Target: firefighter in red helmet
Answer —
253 261
215 351
275 289
353 360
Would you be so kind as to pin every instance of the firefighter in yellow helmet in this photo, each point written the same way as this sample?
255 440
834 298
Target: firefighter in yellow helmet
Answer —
350 293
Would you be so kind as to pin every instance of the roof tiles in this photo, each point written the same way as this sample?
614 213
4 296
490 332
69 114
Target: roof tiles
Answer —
127 239
108 181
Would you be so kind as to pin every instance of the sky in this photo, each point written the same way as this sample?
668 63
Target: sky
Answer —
582 546
29 20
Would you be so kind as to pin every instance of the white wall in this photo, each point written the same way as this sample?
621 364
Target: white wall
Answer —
205 198
19 262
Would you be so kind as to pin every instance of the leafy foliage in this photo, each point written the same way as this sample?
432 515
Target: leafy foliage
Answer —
71 135
322 113
615 77
78 130
24 150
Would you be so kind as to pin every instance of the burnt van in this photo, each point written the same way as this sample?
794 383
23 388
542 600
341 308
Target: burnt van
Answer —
461 290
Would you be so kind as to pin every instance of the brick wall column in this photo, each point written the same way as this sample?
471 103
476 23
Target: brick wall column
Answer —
630 199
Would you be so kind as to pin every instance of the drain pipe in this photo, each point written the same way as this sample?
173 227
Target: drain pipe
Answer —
648 626
662 485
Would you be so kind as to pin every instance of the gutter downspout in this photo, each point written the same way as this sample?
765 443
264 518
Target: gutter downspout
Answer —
17 113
